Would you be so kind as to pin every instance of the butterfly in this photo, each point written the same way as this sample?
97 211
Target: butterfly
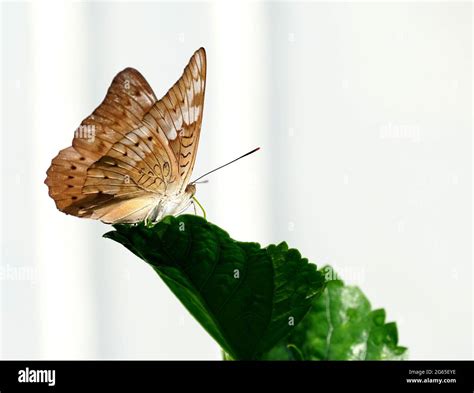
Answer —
132 158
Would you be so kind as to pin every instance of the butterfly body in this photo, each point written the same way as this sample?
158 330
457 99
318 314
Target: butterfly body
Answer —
137 157
171 204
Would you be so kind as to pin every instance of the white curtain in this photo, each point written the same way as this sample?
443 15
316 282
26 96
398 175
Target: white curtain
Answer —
363 112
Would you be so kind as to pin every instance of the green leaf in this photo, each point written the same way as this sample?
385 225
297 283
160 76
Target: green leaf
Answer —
341 326
247 297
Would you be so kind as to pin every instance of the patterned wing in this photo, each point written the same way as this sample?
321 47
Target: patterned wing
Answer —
133 150
127 101
178 115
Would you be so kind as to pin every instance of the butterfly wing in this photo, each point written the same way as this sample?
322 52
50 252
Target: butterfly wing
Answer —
178 115
127 101
128 154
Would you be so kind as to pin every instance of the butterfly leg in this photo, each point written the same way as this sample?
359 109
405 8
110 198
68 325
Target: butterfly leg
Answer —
148 221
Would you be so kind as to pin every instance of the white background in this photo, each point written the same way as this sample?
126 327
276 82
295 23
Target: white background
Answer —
364 115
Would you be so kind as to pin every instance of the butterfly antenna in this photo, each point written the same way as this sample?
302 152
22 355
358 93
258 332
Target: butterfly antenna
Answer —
222 166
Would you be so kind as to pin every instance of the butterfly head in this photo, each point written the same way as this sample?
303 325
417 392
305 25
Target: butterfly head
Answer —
190 190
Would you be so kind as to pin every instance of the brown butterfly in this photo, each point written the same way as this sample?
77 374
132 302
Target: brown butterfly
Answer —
131 160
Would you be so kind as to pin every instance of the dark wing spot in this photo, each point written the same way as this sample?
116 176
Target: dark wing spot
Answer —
166 169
